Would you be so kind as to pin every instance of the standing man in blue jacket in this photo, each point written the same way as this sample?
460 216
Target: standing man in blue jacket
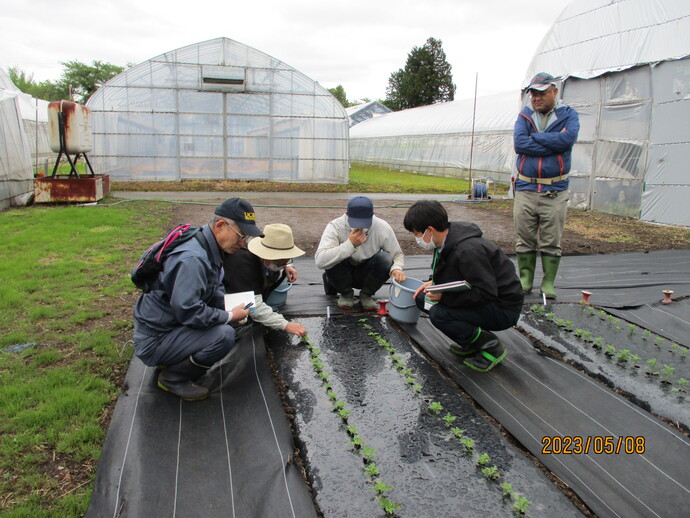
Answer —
544 136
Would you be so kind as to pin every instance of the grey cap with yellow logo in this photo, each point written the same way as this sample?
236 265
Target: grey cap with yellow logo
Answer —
241 212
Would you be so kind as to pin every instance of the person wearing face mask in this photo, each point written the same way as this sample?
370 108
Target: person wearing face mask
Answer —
261 267
358 250
495 299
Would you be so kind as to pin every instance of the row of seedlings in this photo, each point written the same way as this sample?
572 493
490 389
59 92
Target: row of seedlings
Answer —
624 357
380 488
519 503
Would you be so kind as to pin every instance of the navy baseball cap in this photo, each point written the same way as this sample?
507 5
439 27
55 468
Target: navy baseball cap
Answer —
241 212
360 212
541 82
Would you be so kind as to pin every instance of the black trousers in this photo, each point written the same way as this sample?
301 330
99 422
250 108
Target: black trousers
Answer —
369 275
461 324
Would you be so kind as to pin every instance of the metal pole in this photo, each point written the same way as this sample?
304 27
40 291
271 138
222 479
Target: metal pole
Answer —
474 113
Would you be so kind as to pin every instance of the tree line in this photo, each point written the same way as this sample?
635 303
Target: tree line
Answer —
426 79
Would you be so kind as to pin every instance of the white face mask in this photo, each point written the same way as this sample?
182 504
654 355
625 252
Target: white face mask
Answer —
426 246
272 267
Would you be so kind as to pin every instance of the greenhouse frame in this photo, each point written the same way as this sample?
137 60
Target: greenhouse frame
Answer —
218 110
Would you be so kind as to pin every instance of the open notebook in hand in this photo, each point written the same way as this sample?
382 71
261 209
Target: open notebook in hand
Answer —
453 286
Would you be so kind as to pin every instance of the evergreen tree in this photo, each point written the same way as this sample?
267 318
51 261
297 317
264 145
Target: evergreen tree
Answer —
339 93
426 79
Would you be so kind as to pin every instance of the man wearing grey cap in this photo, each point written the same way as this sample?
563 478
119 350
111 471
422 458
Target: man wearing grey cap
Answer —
180 325
359 250
544 136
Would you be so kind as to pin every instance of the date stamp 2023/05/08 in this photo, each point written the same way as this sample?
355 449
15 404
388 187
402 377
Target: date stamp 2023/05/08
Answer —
599 444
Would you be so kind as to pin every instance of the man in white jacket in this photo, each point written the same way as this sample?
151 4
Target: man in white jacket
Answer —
359 250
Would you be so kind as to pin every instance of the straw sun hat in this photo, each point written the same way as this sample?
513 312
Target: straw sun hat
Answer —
277 243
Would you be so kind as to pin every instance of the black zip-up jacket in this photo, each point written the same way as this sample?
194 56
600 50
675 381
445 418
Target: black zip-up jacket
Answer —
466 255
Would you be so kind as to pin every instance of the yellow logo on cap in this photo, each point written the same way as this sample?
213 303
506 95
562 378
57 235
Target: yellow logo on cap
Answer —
250 216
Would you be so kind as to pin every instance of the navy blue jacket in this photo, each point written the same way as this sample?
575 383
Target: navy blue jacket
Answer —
545 154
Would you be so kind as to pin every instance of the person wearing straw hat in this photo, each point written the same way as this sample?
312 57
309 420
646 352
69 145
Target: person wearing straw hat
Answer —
261 268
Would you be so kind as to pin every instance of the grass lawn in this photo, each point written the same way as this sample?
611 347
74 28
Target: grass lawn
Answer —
65 310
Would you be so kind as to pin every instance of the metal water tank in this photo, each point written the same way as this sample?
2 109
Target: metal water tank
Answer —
76 123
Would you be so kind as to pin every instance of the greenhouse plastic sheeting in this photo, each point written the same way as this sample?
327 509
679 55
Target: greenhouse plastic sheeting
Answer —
16 176
439 139
228 455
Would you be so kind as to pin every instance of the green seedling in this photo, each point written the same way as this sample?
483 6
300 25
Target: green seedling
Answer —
610 350
362 320
449 419
356 442
646 334
368 453
598 342
560 322
631 329
338 405
635 360
380 487
491 472
602 314
612 319
683 353
569 325
550 316
344 413
590 310
417 388
578 332
332 395
372 470
409 380
388 506
483 459
467 443
651 364
436 407
659 340
407 372
520 505
667 373
457 432
352 430
623 355
587 336
507 489
324 375
618 328
674 348
682 383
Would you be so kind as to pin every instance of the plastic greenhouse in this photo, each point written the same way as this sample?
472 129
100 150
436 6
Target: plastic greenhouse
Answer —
625 67
439 139
218 110
16 175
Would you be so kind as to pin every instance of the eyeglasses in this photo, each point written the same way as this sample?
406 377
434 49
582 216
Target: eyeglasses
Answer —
282 262
243 237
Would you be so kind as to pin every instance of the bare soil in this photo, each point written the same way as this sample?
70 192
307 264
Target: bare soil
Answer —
586 232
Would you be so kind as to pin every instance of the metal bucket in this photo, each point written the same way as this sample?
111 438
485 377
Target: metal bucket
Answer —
278 297
402 307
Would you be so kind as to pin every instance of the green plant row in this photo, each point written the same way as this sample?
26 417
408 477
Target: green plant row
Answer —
490 472
381 489
624 357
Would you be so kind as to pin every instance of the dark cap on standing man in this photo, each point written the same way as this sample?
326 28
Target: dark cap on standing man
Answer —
541 82
241 212
360 212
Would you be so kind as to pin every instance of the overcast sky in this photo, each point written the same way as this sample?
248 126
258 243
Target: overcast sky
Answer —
357 43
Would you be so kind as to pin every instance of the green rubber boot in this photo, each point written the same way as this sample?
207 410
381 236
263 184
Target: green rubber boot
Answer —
549 264
526 263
